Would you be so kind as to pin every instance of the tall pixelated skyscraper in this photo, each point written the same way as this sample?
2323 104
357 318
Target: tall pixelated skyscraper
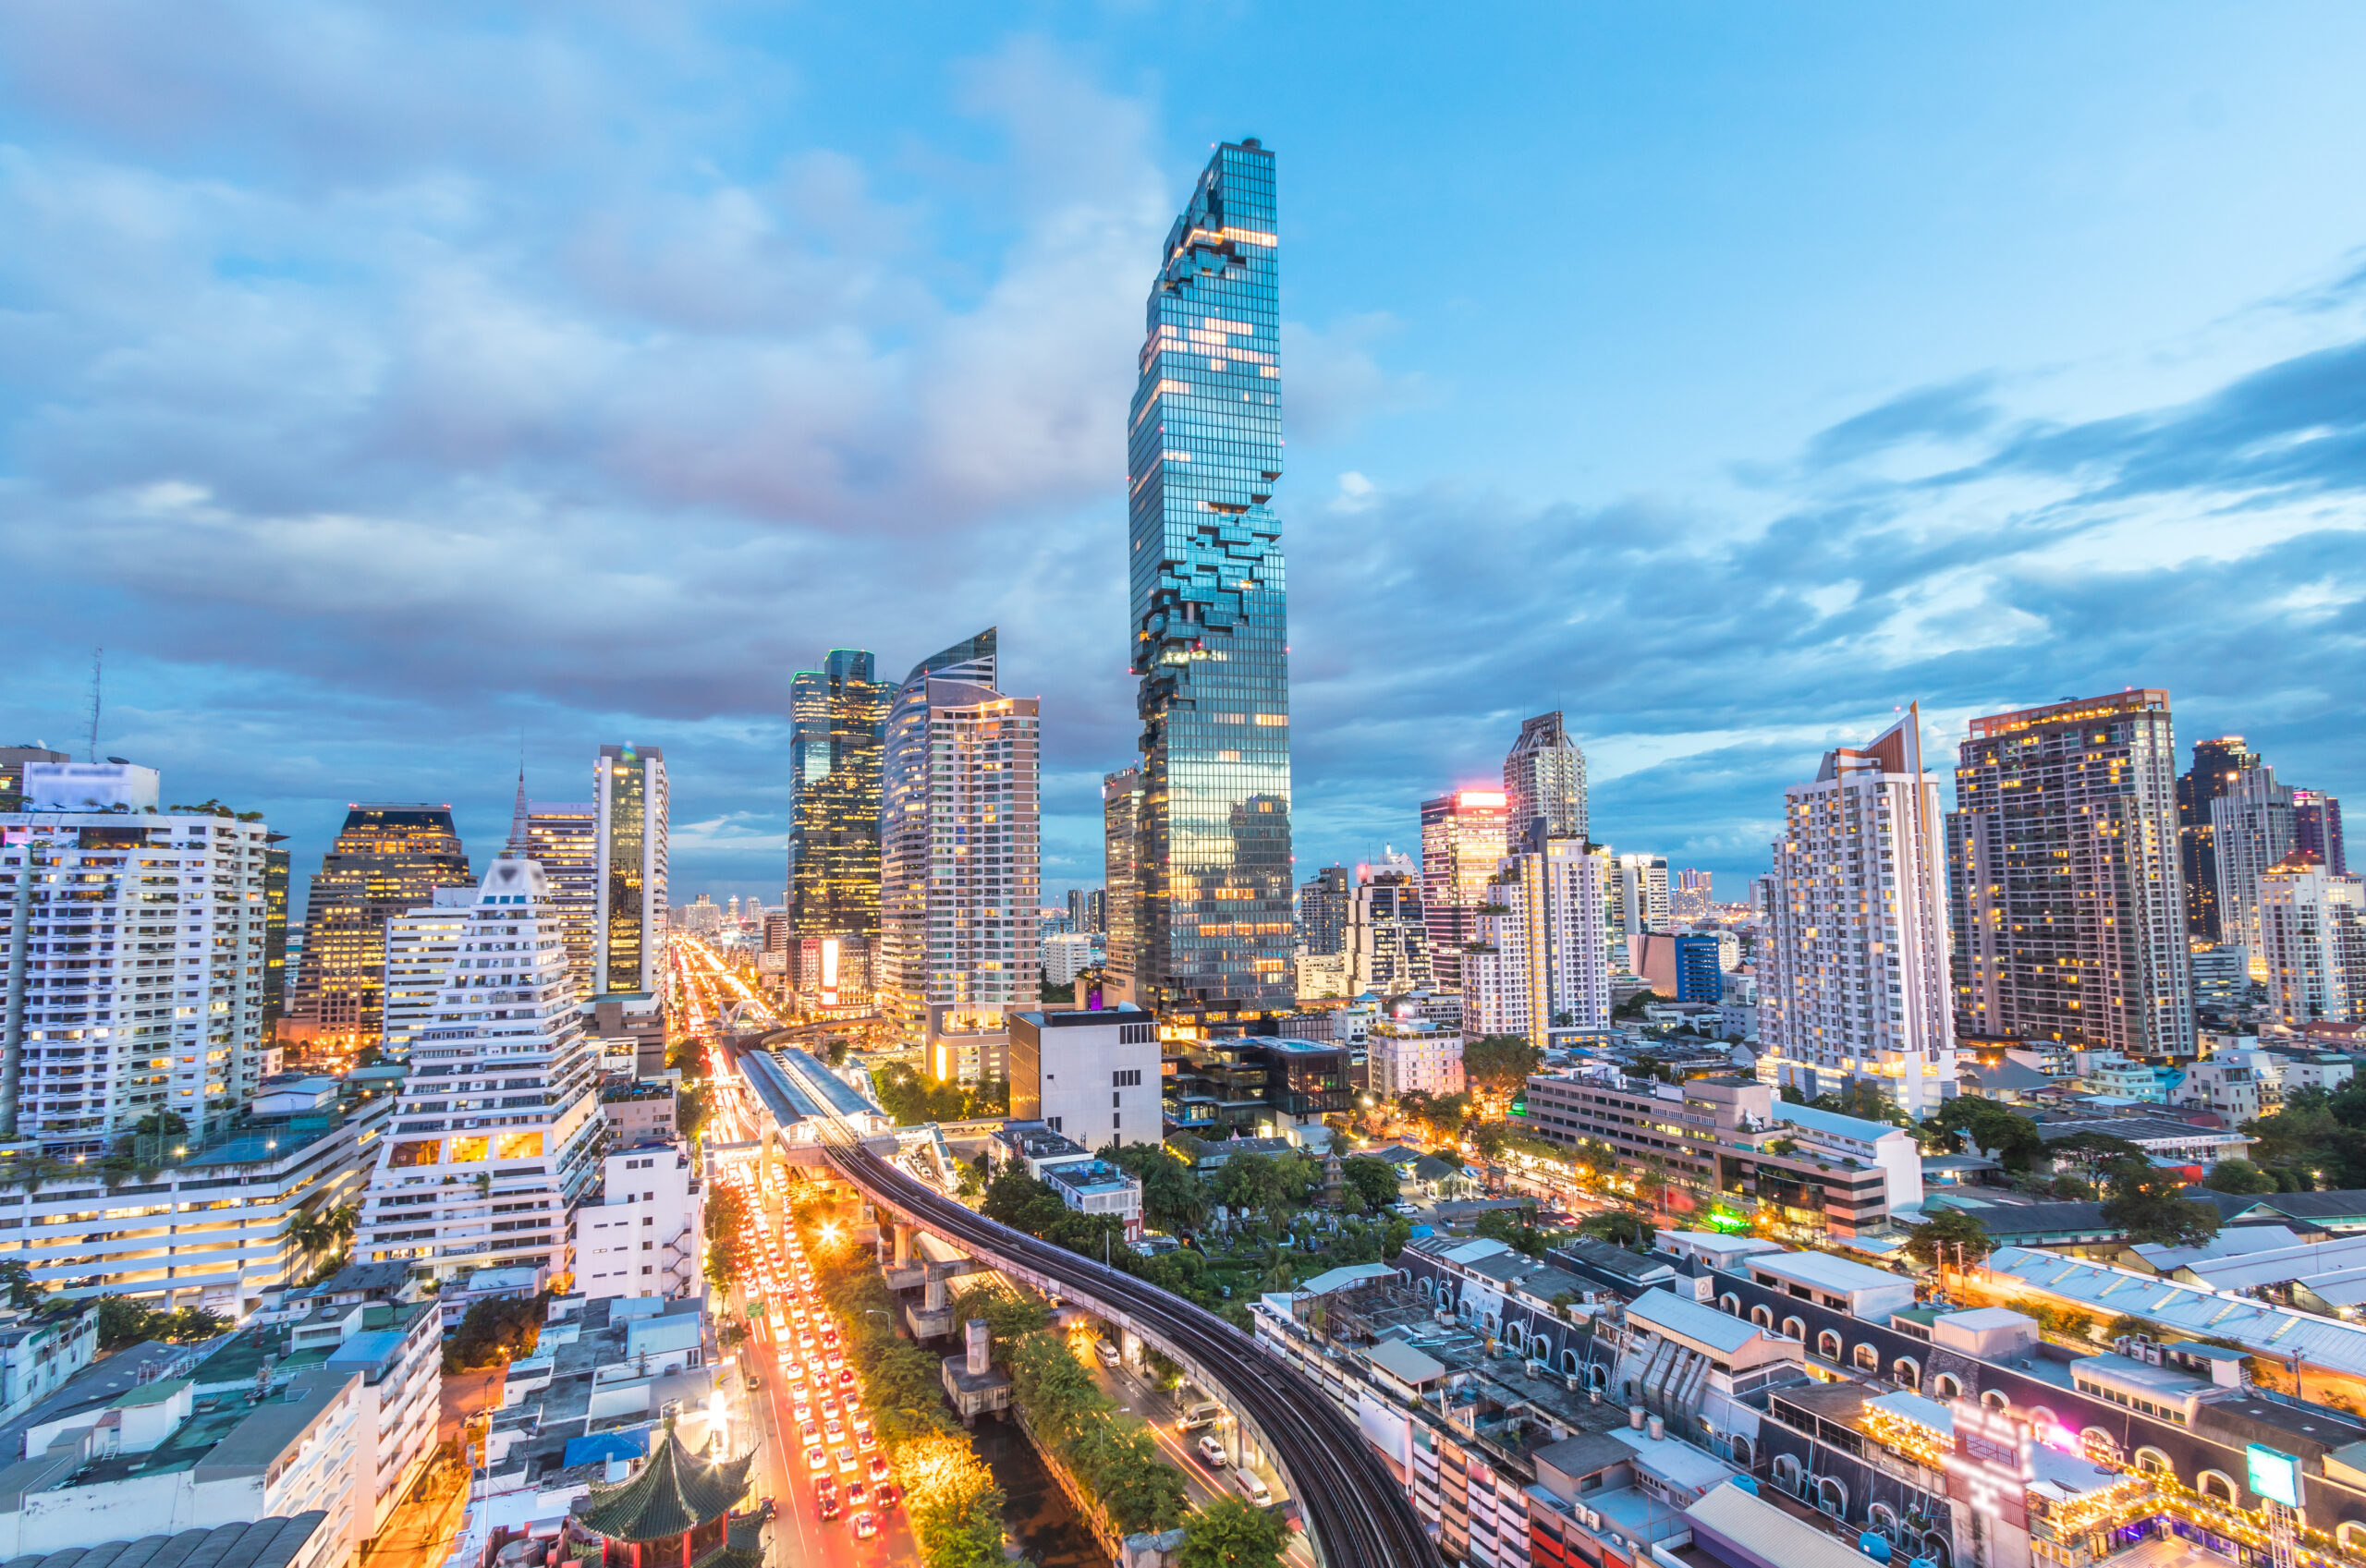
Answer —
1207 600
838 724
629 927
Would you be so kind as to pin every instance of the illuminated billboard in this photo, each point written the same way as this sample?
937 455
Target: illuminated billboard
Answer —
2275 1476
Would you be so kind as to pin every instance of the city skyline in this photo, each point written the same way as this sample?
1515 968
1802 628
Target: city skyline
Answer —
1971 500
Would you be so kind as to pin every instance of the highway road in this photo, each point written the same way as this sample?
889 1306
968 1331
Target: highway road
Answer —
1357 1512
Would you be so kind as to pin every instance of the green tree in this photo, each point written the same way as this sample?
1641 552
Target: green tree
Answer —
1228 1533
1621 1227
1933 1242
24 1291
2238 1176
2148 1206
1512 1228
2012 1137
494 1334
1499 1065
1372 1182
1018 1200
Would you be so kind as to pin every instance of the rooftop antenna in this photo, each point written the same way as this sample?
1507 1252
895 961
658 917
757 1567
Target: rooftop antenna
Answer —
91 753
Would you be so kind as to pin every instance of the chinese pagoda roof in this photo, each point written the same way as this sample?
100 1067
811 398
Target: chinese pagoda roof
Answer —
675 1492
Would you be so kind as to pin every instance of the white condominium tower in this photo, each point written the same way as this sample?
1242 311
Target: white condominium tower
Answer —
628 917
1544 780
2251 830
2313 936
960 859
1855 985
421 947
135 949
1541 966
493 1138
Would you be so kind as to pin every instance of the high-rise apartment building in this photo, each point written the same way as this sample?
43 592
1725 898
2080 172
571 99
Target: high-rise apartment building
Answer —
563 837
839 724
386 860
1207 599
1323 903
2251 828
2216 764
2313 934
1463 841
1638 895
277 866
628 918
498 1124
1121 805
1690 898
2065 896
1541 964
1544 780
135 948
1388 936
960 860
2316 829
421 947
1854 989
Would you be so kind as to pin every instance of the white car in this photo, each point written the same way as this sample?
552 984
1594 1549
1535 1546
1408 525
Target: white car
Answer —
1211 1453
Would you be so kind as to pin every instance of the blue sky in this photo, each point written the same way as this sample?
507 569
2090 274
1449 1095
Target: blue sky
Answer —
378 383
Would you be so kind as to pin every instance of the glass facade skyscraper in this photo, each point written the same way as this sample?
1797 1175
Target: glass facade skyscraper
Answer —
1208 601
627 928
838 716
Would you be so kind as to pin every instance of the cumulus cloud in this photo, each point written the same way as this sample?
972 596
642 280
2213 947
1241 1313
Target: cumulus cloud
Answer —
379 387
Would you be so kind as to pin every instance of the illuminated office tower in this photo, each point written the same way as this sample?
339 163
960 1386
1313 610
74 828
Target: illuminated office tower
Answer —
1121 805
277 865
2065 895
1542 957
1207 600
563 837
1462 842
2312 932
839 723
1389 938
629 920
960 861
1545 779
2251 828
2215 765
1854 986
1323 903
1690 898
495 1137
2316 829
385 861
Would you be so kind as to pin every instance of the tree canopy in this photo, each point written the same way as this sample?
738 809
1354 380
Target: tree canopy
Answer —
1622 1227
1499 1065
2148 1205
2011 1136
1935 1242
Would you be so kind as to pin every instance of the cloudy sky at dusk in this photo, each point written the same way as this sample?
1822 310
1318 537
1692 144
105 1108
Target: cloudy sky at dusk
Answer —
378 383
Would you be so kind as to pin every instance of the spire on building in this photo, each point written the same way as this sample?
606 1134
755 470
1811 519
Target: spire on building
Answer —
519 847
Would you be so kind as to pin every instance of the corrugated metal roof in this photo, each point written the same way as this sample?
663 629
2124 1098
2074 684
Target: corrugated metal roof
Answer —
2279 1265
1733 1518
2194 1309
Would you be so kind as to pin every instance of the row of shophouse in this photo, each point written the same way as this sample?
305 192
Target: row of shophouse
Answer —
1725 1404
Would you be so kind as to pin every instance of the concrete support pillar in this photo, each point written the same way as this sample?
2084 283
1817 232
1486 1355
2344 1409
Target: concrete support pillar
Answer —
933 1294
1129 1347
903 1245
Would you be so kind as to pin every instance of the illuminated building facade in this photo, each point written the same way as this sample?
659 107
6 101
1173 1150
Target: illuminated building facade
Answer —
277 864
563 837
1541 962
2065 895
173 1023
960 860
2216 764
1462 844
2312 933
1544 780
839 727
1323 903
2316 829
1121 805
1208 602
629 921
496 1134
386 860
2251 828
1854 987
1690 898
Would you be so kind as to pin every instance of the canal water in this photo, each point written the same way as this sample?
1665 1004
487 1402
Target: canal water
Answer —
1037 1513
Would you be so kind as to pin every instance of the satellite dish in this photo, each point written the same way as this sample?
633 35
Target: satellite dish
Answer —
120 762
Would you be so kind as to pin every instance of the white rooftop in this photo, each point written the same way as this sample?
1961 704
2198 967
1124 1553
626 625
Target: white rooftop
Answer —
1695 1469
1979 1319
1824 1272
2232 1242
1663 1309
1404 1362
2281 1265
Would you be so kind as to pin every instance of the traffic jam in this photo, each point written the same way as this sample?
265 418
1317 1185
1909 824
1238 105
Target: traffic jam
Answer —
824 1416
